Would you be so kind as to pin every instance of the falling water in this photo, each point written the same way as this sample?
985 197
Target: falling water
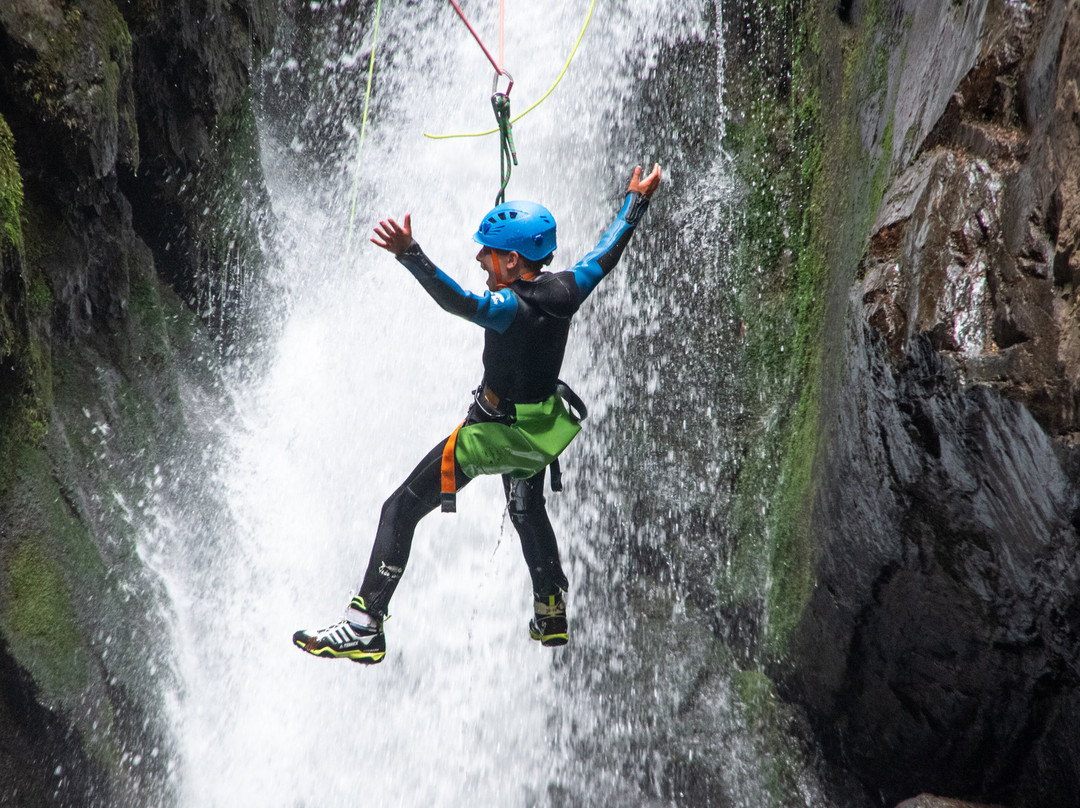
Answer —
366 374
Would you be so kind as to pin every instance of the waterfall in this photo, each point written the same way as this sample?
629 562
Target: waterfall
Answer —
365 374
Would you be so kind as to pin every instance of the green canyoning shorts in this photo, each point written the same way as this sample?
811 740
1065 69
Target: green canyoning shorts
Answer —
538 435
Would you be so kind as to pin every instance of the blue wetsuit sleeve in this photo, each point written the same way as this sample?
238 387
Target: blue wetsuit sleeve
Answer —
494 310
590 270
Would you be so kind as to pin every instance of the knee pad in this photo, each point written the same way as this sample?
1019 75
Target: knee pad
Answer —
521 506
519 511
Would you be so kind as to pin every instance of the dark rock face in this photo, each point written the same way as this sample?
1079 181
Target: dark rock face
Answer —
930 801
135 118
970 245
200 202
41 763
66 90
939 649
66 75
128 165
960 604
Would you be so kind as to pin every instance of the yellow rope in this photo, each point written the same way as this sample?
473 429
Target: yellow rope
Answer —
551 89
363 127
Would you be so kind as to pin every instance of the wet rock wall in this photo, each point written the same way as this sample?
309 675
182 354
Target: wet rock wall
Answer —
130 213
937 650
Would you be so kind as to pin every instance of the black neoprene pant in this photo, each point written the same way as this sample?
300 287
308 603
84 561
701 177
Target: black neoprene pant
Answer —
419 495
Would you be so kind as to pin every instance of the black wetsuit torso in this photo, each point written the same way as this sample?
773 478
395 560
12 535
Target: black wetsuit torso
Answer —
522 363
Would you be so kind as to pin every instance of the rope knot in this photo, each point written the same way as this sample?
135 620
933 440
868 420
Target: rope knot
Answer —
500 103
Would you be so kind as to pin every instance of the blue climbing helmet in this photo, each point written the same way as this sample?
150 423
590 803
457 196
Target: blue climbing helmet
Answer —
522 227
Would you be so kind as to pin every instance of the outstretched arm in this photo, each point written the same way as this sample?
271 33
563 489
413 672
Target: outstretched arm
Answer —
590 270
489 310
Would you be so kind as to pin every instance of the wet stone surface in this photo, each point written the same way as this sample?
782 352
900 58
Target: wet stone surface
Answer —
939 648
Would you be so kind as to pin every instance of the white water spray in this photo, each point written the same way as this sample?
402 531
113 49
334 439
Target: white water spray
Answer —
366 376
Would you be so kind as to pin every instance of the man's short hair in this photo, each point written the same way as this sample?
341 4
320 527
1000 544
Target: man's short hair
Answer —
536 266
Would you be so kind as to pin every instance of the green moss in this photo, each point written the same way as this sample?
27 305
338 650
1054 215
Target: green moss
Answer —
881 177
11 201
44 506
782 281
117 35
780 762
37 422
51 577
11 191
39 604
39 299
756 694
25 392
812 191
39 621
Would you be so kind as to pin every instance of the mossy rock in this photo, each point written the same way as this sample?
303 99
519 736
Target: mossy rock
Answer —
812 188
74 61
39 620
11 191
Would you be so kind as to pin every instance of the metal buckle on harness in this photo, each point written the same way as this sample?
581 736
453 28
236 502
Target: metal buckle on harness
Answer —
492 407
490 398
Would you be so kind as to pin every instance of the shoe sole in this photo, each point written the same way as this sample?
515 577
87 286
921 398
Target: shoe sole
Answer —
361 657
550 640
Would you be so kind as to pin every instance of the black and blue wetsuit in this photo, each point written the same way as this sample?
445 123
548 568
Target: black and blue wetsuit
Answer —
525 330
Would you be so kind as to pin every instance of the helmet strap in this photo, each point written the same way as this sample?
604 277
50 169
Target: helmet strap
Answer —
500 280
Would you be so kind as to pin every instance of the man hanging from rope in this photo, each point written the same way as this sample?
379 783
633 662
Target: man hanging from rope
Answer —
517 424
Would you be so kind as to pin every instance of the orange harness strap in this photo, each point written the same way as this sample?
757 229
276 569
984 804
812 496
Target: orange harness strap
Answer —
449 480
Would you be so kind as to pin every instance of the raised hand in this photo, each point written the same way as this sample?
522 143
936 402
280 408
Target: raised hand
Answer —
646 187
394 237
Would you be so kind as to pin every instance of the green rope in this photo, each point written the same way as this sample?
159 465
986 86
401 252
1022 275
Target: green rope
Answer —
500 102
363 127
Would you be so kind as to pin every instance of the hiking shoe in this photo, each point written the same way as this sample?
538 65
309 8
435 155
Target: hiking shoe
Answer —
358 637
549 621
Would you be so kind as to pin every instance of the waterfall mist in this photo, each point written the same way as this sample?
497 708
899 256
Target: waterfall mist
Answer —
365 374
